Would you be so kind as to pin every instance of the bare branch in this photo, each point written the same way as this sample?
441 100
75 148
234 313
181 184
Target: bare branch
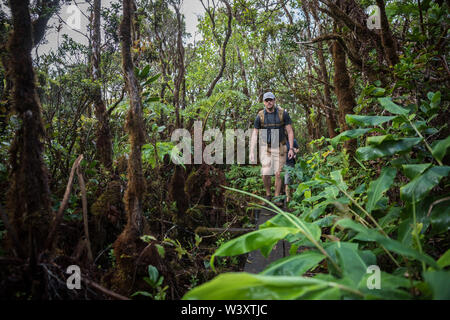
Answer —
63 205
85 214
104 290
111 109
224 49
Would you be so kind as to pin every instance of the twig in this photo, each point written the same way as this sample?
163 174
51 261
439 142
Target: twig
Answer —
101 253
424 140
104 290
435 203
205 230
85 213
62 20
444 63
64 202
111 109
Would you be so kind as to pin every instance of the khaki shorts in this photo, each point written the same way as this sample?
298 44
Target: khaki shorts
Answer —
272 159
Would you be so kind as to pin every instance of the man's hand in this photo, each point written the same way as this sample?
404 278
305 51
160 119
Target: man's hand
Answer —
290 154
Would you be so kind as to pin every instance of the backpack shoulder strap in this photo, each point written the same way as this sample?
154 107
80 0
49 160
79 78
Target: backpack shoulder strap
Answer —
281 115
261 117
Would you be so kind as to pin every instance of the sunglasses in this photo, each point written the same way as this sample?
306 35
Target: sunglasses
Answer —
267 100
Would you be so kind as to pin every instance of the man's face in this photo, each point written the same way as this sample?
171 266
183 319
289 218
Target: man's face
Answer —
269 103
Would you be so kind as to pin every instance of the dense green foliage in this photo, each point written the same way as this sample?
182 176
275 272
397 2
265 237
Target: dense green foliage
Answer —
366 228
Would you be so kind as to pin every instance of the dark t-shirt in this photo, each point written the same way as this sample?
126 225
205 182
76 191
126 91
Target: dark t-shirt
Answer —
272 118
290 162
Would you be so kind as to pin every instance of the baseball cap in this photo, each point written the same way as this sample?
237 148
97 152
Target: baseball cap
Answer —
268 95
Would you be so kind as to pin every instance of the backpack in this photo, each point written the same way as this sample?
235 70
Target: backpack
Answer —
280 116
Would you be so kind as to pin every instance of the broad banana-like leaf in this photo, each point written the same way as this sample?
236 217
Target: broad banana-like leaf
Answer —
413 170
366 234
263 239
295 265
349 134
439 149
367 120
247 286
439 283
353 262
421 185
378 187
390 106
444 260
387 148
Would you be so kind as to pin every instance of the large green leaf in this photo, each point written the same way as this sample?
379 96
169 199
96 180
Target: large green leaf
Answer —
377 140
290 220
439 282
413 170
392 215
338 179
440 217
435 99
144 72
390 106
366 234
295 265
444 260
246 286
326 221
367 120
152 79
260 239
379 186
349 134
406 227
392 287
420 186
352 261
387 148
440 148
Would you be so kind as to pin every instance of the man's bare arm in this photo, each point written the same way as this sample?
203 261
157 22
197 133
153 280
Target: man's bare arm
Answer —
290 133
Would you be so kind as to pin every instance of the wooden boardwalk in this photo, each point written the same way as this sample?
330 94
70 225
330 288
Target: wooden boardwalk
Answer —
255 260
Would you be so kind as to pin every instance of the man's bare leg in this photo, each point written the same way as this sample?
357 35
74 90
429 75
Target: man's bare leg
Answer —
288 196
267 184
278 183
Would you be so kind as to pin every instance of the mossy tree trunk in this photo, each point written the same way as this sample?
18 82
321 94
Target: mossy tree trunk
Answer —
389 44
128 244
28 196
315 123
103 134
330 109
5 103
343 91
179 63
43 11
134 126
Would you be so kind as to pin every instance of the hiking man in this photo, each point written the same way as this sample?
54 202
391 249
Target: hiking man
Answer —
289 163
275 121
